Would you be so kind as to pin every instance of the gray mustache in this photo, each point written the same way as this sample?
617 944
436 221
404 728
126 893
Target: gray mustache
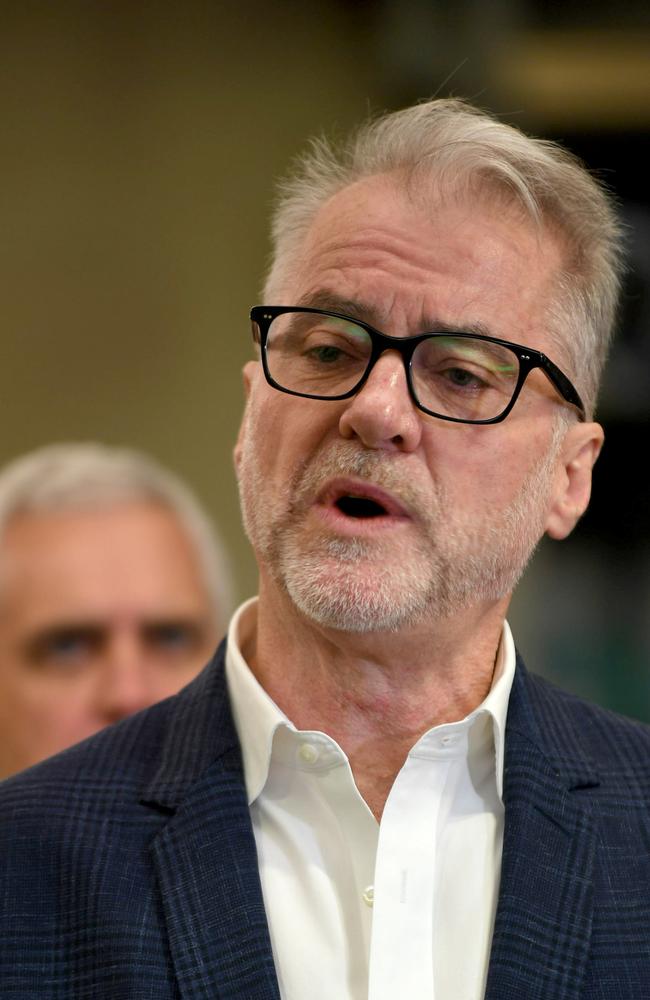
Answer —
390 473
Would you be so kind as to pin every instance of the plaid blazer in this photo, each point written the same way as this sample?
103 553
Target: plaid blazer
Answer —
128 868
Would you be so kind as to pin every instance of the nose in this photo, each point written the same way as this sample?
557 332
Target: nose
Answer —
123 685
382 414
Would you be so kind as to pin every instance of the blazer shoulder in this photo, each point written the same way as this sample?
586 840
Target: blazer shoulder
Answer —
571 728
115 764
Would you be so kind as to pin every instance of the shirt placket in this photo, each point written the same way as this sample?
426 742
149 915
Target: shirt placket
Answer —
401 951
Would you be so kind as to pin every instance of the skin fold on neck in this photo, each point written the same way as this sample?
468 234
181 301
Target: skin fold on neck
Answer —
376 694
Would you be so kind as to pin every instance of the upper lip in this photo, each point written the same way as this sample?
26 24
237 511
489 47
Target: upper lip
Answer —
348 486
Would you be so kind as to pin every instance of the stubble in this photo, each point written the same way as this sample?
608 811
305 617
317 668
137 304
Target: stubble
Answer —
446 562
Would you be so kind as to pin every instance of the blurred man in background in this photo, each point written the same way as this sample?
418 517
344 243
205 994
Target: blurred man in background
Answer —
114 589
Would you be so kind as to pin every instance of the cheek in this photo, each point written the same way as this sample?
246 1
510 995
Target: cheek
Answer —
460 459
53 714
252 456
481 467
280 433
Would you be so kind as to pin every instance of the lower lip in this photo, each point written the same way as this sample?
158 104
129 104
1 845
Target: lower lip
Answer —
343 524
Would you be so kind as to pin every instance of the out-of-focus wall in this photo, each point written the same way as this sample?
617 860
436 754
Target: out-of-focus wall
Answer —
139 143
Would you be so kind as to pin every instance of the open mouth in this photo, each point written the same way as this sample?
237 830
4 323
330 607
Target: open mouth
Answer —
360 506
360 501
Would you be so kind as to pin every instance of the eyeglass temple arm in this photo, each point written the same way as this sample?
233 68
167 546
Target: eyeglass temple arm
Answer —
562 384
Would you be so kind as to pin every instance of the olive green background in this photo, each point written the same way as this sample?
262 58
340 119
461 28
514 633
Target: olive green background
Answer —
139 145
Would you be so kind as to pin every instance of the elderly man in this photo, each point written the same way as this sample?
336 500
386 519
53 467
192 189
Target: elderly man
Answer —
365 794
113 593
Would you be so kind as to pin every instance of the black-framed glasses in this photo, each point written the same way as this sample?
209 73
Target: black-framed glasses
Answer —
464 377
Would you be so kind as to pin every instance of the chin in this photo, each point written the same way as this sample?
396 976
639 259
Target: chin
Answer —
355 595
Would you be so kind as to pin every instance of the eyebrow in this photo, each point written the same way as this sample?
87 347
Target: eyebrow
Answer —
356 309
37 644
335 303
96 631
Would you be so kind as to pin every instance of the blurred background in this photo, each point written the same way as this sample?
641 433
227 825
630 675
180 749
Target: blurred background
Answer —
139 142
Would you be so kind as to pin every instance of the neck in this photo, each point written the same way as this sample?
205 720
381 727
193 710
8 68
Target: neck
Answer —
374 693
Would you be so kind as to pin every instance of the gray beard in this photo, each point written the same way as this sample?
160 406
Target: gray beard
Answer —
350 585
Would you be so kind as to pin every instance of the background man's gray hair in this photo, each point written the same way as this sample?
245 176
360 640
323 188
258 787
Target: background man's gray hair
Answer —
451 147
91 476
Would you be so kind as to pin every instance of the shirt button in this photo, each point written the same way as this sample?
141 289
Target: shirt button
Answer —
308 753
368 895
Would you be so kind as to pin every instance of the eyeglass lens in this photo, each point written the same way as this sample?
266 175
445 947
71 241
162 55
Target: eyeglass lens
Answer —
460 377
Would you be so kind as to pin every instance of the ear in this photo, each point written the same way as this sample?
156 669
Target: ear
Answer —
578 454
248 372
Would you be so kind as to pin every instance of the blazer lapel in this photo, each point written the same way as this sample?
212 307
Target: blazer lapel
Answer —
205 855
543 922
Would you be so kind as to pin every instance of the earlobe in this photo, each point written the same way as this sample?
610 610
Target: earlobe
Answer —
247 377
580 449
236 452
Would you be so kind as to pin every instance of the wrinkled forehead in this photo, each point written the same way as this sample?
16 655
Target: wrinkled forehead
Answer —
373 243
420 197
424 192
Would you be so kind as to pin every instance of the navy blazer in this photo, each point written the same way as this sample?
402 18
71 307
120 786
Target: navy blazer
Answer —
129 871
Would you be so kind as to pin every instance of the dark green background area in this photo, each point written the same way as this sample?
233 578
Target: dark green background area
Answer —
138 146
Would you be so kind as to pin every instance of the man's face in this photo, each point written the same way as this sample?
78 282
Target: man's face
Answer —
101 614
463 506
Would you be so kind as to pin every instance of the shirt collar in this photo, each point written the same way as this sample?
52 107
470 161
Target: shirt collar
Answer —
496 702
255 714
257 717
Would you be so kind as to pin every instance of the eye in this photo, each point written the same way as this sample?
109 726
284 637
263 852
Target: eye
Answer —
465 365
65 646
173 637
329 344
463 378
326 355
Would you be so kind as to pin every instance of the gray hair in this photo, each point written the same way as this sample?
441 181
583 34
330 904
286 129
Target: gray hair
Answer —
466 151
92 476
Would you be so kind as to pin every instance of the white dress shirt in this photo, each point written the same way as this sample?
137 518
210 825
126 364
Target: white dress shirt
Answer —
360 910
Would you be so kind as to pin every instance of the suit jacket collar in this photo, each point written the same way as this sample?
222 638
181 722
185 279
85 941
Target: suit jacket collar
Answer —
199 731
205 855
206 859
544 913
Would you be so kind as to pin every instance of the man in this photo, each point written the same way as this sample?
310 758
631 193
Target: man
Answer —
364 795
113 593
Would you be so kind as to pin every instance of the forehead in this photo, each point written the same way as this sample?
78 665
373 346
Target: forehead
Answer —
133 555
410 263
